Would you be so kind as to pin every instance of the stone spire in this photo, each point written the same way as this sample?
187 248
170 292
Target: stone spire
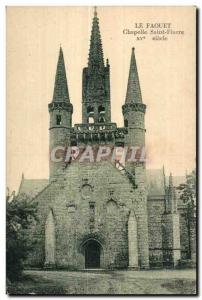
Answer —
133 94
95 58
171 196
61 93
171 180
164 179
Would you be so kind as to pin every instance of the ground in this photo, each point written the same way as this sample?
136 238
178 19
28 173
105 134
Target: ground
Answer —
106 282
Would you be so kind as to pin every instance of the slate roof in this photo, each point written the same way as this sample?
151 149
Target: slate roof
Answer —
32 187
155 183
177 180
133 94
61 93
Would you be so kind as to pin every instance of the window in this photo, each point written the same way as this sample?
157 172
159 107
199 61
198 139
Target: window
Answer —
90 120
90 109
101 120
92 205
92 214
58 119
125 123
112 207
101 109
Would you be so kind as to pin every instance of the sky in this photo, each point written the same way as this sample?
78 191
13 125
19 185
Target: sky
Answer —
166 71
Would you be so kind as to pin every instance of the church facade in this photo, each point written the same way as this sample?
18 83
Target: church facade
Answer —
103 213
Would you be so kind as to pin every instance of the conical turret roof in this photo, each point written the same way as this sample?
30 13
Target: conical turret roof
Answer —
61 93
133 94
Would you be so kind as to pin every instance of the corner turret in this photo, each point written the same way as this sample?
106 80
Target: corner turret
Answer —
133 109
60 110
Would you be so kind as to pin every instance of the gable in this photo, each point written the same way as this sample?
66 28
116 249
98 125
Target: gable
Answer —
155 182
32 187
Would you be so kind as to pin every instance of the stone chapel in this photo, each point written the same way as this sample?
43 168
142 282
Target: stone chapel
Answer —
103 214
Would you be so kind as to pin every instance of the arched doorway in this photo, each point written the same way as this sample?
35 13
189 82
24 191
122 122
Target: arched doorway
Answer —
92 254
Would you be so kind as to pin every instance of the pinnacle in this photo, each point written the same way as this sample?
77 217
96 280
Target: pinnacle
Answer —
132 214
170 180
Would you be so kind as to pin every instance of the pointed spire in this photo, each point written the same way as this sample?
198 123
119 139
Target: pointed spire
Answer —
164 178
61 93
95 11
96 52
171 196
174 200
133 94
170 180
7 192
132 214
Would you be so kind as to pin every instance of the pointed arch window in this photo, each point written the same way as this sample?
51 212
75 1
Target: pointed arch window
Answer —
90 112
101 109
112 207
125 123
90 109
101 120
91 119
58 119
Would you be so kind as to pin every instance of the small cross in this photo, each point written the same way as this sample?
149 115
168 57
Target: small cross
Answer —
95 11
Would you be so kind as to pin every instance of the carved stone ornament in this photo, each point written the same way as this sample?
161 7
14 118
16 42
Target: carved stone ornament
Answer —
86 191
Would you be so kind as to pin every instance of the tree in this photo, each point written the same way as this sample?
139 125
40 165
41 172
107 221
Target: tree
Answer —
20 213
188 196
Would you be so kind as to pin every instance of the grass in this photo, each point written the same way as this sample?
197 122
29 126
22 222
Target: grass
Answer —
32 285
108 282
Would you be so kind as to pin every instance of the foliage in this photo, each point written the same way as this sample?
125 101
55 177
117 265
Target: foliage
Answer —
188 192
20 214
188 196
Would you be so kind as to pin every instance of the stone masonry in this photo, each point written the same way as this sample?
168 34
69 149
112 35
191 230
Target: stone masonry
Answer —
102 214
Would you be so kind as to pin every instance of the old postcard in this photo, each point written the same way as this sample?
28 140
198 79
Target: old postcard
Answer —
101 150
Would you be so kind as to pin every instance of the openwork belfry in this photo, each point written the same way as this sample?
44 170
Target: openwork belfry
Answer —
106 213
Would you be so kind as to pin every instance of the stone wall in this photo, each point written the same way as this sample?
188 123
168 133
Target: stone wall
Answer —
184 236
156 207
171 239
59 135
71 197
187 236
136 128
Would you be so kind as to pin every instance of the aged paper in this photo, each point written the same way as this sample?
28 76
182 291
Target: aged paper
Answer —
101 135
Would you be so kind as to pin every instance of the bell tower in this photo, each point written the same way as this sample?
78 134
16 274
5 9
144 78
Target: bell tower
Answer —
96 107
